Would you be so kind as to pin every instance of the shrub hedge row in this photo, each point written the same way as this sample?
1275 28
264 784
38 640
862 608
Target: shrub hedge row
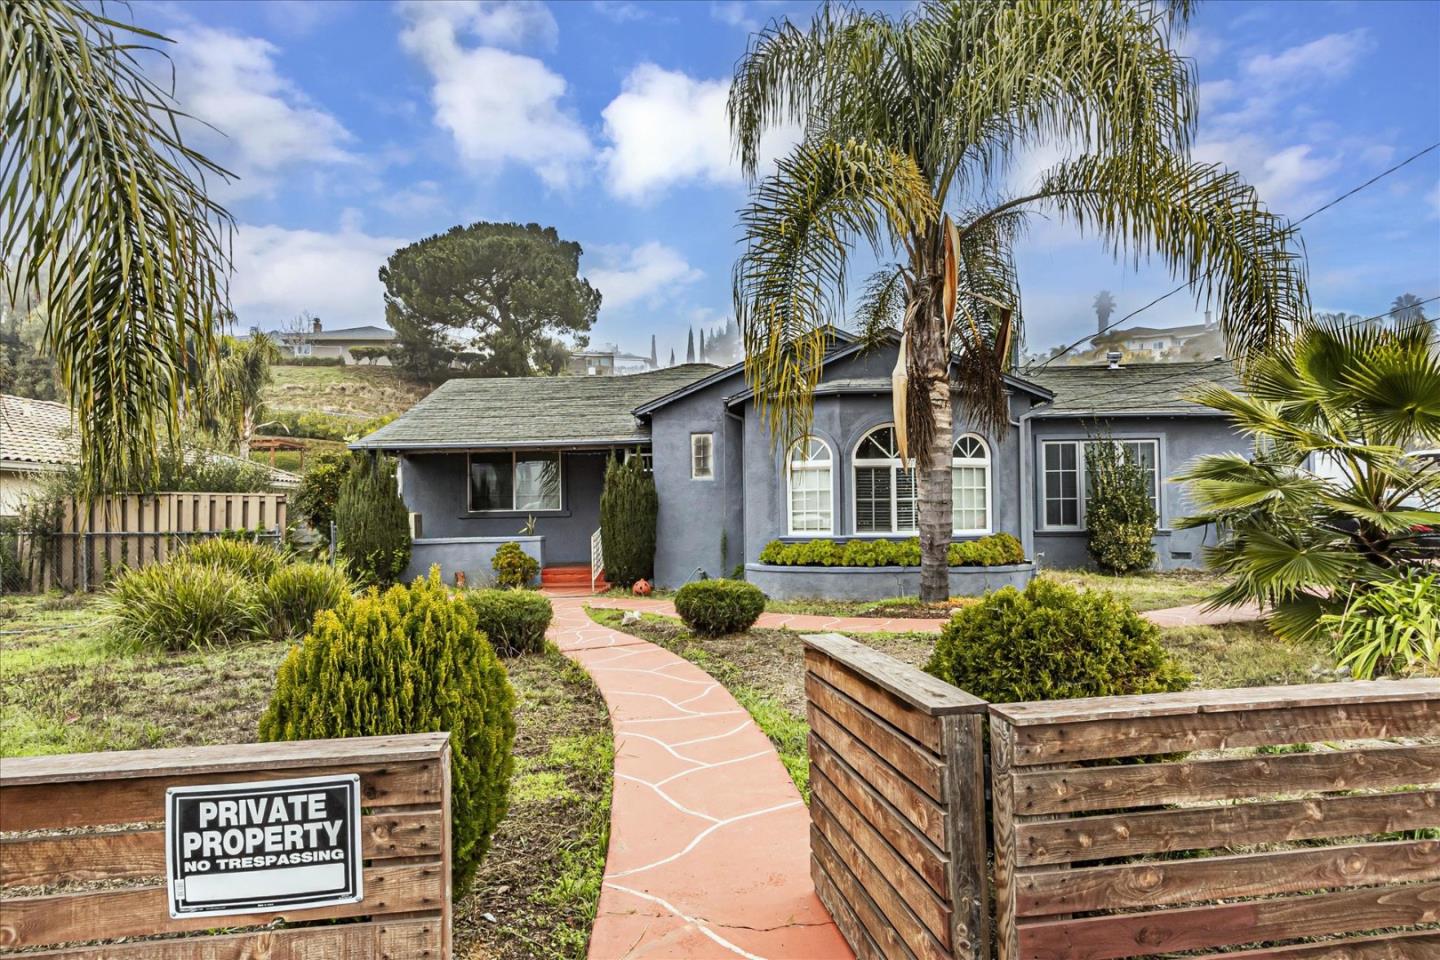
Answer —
996 550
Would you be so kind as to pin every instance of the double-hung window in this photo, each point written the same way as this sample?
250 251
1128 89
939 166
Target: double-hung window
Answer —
1065 485
702 456
884 490
514 482
970 486
808 470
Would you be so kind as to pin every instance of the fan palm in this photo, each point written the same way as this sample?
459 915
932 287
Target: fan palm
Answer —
1330 500
911 122
236 402
103 210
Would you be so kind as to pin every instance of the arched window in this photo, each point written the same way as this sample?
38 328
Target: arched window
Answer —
811 504
970 485
884 490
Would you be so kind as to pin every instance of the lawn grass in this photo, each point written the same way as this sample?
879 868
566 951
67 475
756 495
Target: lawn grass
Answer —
1246 655
1146 591
354 391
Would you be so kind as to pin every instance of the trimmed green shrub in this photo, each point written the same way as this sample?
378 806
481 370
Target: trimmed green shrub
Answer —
514 568
514 620
629 507
715 607
253 561
997 550
1053 642
409 660
1392 627
320 489
991 551
372 524
1119 514
296 592
182 605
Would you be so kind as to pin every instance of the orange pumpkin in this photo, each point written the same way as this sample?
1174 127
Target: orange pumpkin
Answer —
641 588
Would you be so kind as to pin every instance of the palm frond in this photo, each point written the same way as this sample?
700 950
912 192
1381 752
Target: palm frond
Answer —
881 310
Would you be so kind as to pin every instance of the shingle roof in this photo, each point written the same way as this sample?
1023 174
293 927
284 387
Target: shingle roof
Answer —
1138 388
36 432
370 332
518 411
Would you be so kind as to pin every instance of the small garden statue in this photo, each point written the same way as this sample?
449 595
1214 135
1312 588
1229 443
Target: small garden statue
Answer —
459 579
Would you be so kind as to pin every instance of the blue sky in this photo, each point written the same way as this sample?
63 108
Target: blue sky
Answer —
357 127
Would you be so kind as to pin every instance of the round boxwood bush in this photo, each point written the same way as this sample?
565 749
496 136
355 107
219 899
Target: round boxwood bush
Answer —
181 605
1053 642
514 620
297 591
714 607
513 566
408 661
254 561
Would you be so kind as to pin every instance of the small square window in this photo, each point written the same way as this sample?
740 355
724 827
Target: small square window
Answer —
702 456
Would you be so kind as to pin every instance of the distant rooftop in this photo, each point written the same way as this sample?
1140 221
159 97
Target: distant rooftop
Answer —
1135 388
35 433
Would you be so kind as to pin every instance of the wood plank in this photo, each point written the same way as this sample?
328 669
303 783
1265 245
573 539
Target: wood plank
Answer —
131 854
913 804
144 911
928 694
1082 789
1191 702
829 806
918 765
1204 828
1148 736
39 806
898 712
1161 882
891 945
1002 749
965 801
855 934
1252 921
917 849
1419 945
375 940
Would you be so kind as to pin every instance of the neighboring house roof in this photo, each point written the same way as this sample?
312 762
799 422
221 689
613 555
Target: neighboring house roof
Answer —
532 411
1132 388
353 333
35 434
1142 333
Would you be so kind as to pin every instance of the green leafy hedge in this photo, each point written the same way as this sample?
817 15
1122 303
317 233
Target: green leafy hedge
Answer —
715 607
514 620
992 551
409 660
514 567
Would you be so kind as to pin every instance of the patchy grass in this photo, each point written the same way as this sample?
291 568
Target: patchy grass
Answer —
889 607
355 391
1246 655
1146 591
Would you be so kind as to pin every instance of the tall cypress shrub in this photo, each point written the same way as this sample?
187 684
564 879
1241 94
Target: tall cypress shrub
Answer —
1119 514
629 506
371 522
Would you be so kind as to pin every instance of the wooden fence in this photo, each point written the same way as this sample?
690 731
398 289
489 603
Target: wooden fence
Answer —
1293 818
59 815
135 530
897 804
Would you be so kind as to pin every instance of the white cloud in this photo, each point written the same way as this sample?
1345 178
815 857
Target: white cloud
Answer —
501 23
280 272
620 11
629 275
734 13
1285 177
500 107
1327 59
667 127
265 123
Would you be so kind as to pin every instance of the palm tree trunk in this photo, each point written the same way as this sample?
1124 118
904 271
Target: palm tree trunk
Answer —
929 369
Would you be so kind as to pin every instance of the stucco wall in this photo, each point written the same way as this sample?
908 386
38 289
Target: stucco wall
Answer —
1181 440
878 583
472 555
434 485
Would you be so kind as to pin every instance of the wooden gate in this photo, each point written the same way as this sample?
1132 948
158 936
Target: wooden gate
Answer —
70 876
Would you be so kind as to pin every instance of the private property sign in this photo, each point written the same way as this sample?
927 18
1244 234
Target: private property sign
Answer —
238 848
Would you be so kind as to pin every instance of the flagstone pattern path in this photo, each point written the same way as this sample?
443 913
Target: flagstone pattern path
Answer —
709 840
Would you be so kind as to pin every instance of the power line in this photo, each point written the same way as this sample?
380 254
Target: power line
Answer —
1184 286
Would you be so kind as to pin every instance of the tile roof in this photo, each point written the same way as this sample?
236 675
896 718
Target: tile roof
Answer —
35 432
1138 388
501 411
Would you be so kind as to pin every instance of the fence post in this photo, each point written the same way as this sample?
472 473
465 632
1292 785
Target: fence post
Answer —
332 543
1002 787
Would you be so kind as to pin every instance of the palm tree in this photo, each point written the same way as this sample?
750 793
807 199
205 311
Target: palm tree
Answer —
1330 501
911 127
1407 306
1104 307
103 209
238 399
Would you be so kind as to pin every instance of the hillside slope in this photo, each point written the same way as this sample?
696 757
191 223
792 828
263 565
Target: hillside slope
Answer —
362 392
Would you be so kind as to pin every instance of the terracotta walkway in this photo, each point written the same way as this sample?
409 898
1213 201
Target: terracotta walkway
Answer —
709 840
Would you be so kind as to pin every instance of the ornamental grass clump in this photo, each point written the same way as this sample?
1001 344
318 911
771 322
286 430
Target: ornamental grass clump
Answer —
514 620
715 607
253 561
295 593
1053 642
1392 627
409 660
182 605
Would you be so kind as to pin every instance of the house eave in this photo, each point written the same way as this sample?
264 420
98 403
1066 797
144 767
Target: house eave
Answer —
1047 414
454 446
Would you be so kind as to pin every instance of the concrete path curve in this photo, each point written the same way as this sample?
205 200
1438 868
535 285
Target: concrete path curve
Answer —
709 840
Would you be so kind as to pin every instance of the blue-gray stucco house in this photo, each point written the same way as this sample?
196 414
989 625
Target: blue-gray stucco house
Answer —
485 461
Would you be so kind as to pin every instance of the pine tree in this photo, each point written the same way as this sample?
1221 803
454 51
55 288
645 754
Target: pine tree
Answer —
654 362
672 356
372 523
702 344
690 348
628 509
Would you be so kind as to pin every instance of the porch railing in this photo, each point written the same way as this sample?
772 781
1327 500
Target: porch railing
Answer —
597 558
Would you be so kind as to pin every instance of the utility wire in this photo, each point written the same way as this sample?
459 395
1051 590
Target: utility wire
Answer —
1185 286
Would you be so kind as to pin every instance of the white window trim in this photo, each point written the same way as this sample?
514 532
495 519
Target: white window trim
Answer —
710 438
989 486
514 456
790 467
856 462
1079 444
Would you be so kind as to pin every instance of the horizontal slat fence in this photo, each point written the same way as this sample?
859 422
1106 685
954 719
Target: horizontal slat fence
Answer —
136 530
897 805
94 882
1316 817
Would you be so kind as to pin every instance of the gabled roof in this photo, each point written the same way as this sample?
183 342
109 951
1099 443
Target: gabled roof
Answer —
1131 333
1133 388
35 434
532 411
368 332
